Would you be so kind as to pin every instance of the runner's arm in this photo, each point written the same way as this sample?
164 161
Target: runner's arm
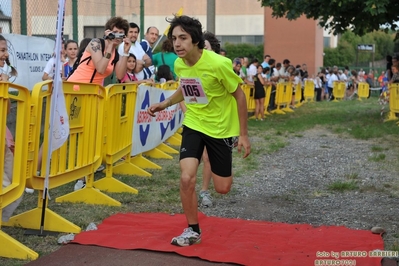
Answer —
243 140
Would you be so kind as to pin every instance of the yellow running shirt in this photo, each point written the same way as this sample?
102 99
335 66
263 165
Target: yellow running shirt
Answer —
219 117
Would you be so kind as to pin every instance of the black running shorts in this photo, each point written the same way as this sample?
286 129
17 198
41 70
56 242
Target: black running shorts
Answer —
219 150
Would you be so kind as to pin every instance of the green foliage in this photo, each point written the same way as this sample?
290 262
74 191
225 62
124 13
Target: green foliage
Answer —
357 15
345 53
384 43
244 50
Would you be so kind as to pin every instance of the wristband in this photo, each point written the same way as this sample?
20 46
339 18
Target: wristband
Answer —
125 54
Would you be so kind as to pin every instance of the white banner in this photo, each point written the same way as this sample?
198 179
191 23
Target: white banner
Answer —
148 131
29 55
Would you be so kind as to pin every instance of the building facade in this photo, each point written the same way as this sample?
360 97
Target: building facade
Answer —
236 21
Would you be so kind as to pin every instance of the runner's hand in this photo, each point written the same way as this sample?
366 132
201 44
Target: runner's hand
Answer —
156 108
243 142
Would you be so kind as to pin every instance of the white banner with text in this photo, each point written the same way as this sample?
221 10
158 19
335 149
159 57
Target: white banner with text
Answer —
29 55
148 131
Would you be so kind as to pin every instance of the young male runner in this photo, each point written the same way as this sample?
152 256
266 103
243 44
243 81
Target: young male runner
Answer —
216 112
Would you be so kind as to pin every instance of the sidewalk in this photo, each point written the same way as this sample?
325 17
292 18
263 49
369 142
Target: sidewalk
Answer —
73 254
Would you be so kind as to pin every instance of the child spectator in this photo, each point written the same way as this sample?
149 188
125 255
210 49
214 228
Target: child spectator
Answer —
9 147
131 65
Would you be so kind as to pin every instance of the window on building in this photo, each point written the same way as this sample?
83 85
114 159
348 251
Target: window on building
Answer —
236 39
93 31
327 43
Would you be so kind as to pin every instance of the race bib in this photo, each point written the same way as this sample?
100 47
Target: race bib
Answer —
193 91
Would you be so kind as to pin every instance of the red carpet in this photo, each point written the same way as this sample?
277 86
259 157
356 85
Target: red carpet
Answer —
234 240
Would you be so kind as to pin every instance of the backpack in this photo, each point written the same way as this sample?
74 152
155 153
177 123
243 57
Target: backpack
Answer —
79 60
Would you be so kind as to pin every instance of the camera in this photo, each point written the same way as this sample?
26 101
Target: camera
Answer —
112 36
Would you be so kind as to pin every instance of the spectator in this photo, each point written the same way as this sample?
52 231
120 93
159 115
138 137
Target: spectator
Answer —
130 76
71 52
164 74
330 83
166 57
150 37
318 85
237 68
395 73
130 66
8 210
49 69
265 62
223 52
260 94
143 60
252 70
243 72
99 64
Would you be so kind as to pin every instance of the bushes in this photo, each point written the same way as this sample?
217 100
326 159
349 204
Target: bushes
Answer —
244 50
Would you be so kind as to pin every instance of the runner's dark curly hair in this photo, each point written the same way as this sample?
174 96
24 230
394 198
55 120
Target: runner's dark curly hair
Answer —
211 38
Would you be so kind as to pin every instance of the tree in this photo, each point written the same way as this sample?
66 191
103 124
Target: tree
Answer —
244 50
360 16
343 55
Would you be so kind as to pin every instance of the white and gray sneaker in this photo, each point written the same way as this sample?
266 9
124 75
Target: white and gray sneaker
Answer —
205 199
79 185
187 238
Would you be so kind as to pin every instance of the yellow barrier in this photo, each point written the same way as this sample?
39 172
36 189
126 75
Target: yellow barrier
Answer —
283 98
363 90
119 117
268 92
339 90
393 102
249 92
80 155
308 92
298 95
11 248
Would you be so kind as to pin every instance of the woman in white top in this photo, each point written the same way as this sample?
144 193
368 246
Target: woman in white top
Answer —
251 72
330 83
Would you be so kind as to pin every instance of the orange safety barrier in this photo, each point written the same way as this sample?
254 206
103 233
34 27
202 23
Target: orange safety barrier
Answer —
79 156
309 89
11 248
363 90
393 102
283 98
339 90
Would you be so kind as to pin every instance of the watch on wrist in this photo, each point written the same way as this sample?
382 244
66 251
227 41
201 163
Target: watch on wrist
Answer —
107 55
